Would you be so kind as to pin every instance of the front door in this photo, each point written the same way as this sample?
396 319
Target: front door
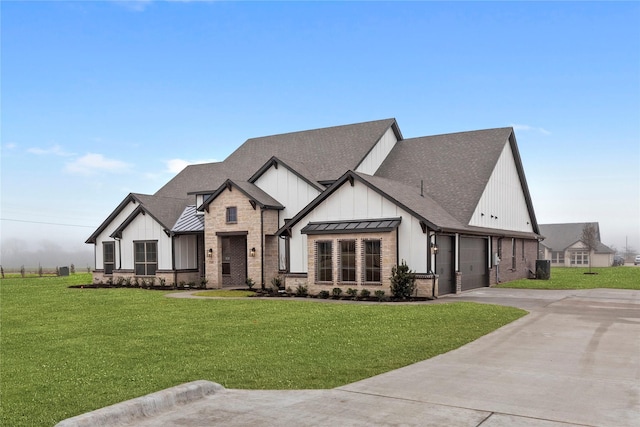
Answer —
444 266
234 261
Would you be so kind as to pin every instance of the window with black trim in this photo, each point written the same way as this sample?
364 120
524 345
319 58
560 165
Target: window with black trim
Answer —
348 261
232 214
324 262
513 253
108 256
372 268
146 258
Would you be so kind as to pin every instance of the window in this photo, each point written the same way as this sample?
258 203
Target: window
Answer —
580 258
226 255
513 253
324 262
232 214
557 257
108 256
146 258
348 261
372 261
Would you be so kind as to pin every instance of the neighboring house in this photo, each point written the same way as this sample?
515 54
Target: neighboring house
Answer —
334 207
563 247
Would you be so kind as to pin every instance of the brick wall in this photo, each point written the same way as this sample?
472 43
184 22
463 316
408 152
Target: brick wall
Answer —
387 253
249 221
524 261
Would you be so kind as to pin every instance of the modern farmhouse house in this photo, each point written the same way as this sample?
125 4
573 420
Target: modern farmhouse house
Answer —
563 246
334 207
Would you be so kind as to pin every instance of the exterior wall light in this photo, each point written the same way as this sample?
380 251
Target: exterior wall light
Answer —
434 249
210 253
252 252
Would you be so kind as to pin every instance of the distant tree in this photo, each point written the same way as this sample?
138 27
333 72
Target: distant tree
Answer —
57 271
589 238
72 268
39 270
2 271
22 271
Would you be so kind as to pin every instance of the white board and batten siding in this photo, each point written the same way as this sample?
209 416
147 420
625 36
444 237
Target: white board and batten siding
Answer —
145 228
104 236
361 202
293 192
370 164
503 198
186 251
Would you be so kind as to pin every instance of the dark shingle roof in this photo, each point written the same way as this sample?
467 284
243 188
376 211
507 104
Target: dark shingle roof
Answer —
252 191
326 154
189 222
454 168
558 237
165 210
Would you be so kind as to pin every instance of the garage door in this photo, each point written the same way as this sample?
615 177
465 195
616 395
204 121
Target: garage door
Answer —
473 263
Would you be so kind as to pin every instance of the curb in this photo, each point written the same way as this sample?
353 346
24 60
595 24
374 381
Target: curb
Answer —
129 411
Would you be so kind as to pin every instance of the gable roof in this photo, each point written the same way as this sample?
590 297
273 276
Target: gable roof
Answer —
298 168
327 151
559 237
423 208
454 168
254 193
165 210
331 150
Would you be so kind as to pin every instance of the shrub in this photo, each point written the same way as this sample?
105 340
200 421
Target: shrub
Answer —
302 291
120 281
323 294
127 281
379 295
336 292
353 293
250 283
276 282
403 281
72 269
365 293
203 282
163 281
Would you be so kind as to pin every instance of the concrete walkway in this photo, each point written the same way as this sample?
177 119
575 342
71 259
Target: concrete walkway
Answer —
574 360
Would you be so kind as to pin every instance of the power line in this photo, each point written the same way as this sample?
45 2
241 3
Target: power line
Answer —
46 223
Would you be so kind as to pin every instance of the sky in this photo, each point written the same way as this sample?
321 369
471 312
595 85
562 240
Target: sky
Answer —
103 98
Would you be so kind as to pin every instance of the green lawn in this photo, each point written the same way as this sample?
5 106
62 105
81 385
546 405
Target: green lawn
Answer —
627 277
68 351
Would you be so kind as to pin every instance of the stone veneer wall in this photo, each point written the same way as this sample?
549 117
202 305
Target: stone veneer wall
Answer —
249 221
387 254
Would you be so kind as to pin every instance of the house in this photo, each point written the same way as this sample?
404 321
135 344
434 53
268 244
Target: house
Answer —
562 245
334 207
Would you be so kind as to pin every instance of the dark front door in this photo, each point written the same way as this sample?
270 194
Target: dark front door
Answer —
234 261
444 265
473 262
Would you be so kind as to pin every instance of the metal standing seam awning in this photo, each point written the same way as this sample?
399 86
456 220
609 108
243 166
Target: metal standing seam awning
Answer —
352 226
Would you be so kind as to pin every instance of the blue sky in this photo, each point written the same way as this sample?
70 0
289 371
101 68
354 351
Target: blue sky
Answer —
100 99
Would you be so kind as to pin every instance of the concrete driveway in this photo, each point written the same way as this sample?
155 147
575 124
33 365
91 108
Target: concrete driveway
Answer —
574 360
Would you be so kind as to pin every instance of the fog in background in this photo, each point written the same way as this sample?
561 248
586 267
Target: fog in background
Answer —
15 253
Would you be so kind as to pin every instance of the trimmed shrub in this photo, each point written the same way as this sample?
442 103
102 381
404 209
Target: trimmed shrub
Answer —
301 291
353 293
323 294
403 281
336 292
365 293
380 295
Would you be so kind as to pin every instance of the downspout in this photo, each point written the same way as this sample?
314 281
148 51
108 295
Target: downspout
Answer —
262 246
119 253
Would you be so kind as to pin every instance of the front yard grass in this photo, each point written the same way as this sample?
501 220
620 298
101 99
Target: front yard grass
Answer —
68 351
626 277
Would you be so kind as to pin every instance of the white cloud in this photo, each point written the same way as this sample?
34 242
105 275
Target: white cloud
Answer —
55 150
134 5
525 128
92 163
176 165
